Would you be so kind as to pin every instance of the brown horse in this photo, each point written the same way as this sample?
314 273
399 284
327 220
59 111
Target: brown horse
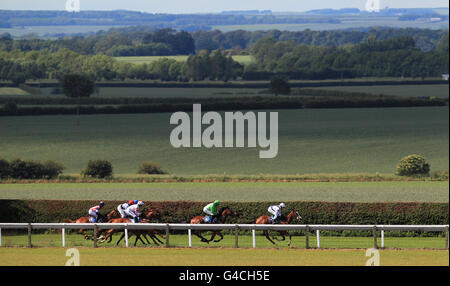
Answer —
222 215
265 219
152 233
84 219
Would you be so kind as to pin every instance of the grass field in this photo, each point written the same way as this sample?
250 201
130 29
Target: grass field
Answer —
262 191
310 142
12 91
228 257
439 90
166 92
244 241
242 59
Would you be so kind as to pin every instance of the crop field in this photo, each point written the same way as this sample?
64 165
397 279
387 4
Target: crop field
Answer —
310 142
438 90
166 92
346 23
228 257
12 91
238 192
242 59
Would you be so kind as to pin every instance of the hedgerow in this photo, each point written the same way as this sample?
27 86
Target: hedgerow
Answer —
183 211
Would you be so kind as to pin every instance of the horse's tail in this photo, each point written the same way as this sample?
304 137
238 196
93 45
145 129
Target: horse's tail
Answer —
68 221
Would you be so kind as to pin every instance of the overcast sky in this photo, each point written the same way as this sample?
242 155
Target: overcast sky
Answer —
202 6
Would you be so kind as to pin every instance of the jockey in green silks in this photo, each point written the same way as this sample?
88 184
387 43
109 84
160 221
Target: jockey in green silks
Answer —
211 211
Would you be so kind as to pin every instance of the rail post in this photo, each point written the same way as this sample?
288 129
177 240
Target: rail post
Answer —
382 239
318 238
167 235
236 236
374 232
29 235
307 236
446 238
63 234
95 236
190 236
0 236
126 235
254 238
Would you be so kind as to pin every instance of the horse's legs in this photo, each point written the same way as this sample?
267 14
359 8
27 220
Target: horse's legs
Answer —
266 233
290 240
120 239
153 236
155 239
198 233
214 234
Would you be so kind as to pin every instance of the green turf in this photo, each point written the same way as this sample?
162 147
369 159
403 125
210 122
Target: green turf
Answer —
261 191
310 141
438 90
244 241
209 257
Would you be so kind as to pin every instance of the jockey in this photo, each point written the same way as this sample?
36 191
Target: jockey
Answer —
211 211
122 207
94 213
275 210
133 212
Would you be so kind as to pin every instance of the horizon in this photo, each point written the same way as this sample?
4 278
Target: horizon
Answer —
206 7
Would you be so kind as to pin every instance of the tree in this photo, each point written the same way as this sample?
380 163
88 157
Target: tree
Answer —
279 86
413 165
77 86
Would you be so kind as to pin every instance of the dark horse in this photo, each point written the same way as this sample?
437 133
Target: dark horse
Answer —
221 217
265 219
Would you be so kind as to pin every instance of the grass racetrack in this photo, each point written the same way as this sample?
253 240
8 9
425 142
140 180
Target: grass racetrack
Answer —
417 191
228 257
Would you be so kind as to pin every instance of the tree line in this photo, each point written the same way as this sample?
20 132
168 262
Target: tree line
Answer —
149 41
396 57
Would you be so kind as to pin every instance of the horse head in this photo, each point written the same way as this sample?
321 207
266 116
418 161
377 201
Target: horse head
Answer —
113 214
293 214
152 213
225 212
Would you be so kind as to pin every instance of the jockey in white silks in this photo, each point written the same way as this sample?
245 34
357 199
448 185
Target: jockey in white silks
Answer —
133 212
275 210
122 207
94 212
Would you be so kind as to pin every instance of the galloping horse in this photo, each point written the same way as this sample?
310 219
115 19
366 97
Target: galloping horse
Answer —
223 214
150 214
265 219
84 219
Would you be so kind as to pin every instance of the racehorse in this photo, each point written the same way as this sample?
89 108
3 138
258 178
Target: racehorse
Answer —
152 233
265 219
84 219
222 215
